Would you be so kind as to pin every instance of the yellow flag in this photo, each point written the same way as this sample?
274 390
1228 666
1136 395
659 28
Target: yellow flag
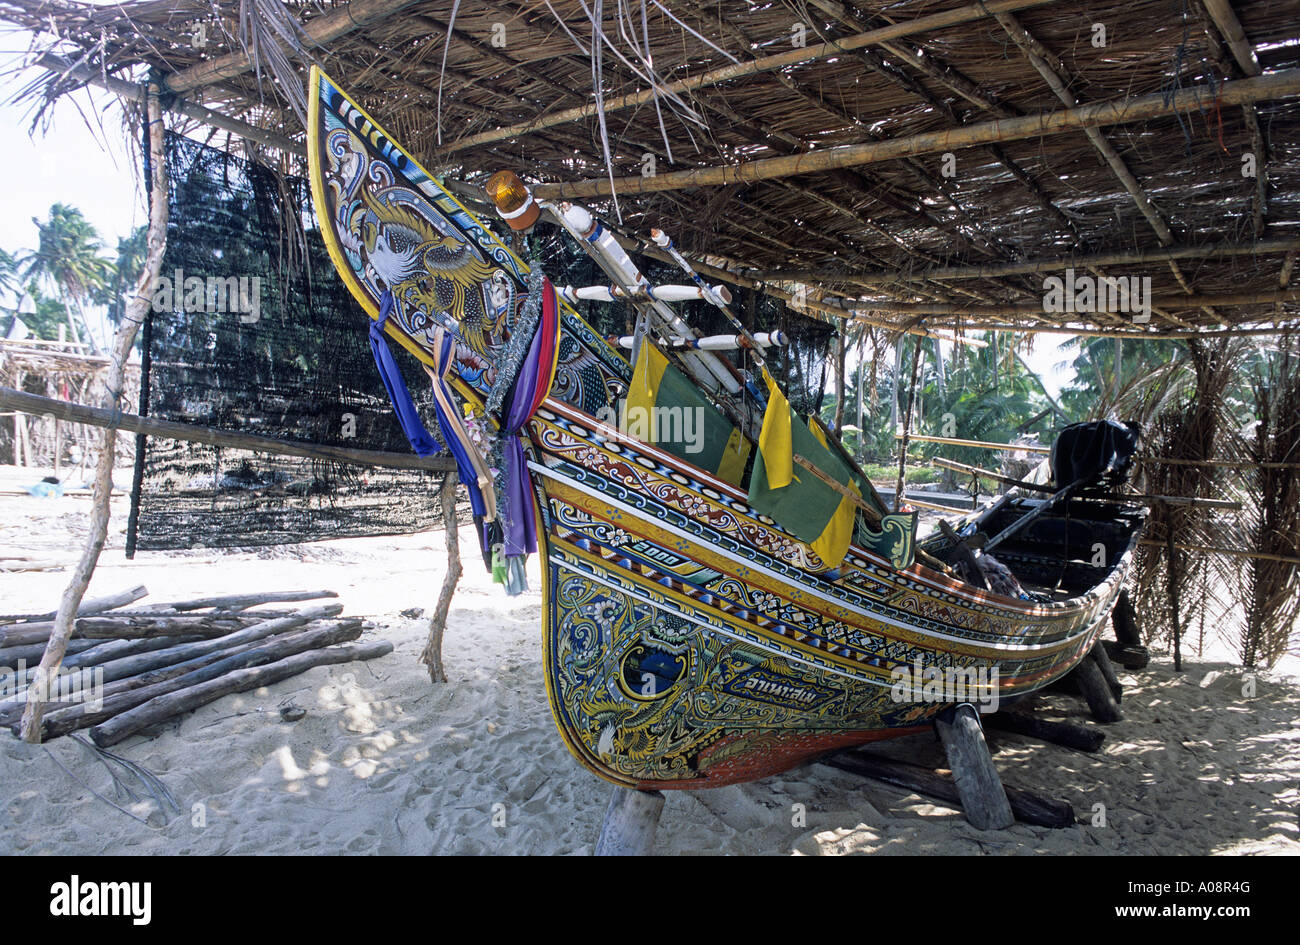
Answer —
833 543
774 442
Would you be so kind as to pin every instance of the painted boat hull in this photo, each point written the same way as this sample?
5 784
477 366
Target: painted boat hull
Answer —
688 641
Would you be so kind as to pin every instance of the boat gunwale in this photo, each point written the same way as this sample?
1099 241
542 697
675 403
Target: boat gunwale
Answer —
917 570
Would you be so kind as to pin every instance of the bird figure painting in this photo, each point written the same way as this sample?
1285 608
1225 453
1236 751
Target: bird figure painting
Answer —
427 271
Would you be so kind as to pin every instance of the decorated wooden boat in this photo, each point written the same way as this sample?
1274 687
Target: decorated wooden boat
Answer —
713 615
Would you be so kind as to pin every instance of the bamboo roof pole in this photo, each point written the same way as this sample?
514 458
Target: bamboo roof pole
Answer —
318 31
177 105
1195 301
811 53
1229 27
850 179
1089 331
1053 72
959 84
1278 85
1288 246
1225 19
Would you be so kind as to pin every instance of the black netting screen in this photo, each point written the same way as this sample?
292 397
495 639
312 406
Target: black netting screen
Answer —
253 331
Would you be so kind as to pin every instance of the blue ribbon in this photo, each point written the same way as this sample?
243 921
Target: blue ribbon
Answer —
421 440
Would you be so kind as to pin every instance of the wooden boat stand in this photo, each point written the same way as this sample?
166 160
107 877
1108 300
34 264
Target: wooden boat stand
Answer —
630 822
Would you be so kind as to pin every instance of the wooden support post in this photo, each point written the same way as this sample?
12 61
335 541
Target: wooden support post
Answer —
1102 659
630 822
978 784
1171 571
97 531
432 654
1124 619
1093 687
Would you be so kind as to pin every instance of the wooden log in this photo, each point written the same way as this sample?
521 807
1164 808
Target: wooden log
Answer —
105 651
244 601
131 665
1028 807
133 423
89 607
11 707
1079 263
978 785
1093 687
257 654
630 821
134 627
32 652
1102 659
1068 734
241 680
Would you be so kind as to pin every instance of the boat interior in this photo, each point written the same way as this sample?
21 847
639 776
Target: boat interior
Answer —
1057 555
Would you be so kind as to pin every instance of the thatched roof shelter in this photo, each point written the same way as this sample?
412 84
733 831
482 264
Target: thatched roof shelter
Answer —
917 161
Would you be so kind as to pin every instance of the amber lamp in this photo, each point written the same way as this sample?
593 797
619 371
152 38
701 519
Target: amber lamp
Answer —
512 199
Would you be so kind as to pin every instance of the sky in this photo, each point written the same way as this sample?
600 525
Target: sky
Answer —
93 170
67 164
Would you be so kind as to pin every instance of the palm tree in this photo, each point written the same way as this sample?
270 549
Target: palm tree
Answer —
67 258
126 271
9 279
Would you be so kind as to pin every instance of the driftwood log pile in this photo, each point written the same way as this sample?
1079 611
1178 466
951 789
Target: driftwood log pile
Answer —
128 670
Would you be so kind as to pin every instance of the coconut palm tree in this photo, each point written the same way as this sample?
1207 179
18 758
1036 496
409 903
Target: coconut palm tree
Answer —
68 258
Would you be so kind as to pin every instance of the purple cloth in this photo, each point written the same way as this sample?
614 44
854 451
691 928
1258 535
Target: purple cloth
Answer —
519 528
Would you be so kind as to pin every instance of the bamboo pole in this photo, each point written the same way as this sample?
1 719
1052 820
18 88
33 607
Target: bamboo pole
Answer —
1278 85
1226 20
79 413
981 444
907 429
100 506
1089 331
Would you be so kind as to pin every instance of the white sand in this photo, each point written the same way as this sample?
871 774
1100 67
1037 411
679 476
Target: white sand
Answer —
385 762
